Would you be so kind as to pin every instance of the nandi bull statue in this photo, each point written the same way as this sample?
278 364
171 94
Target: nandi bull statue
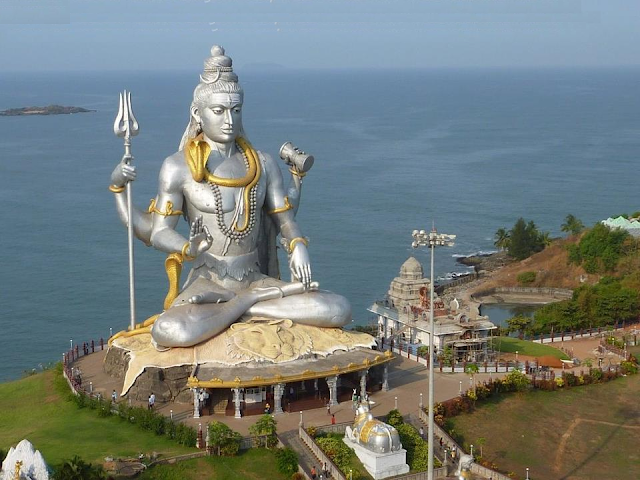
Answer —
376 444
373 434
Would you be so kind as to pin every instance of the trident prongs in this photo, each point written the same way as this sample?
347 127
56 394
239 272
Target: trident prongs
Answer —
125 124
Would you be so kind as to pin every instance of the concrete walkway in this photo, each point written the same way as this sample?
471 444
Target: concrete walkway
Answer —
407 380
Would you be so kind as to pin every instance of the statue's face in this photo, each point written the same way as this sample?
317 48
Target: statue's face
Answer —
221 120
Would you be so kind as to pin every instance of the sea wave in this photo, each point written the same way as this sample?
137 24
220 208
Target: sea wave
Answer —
479 253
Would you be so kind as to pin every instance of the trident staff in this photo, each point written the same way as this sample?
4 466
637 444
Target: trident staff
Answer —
126 126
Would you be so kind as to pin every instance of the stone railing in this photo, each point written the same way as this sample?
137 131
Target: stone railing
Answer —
334 471
440 472
559 293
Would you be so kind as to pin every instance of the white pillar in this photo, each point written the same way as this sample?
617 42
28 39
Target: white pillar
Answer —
385 378
332 382
196 403
236 401
278 391
363 383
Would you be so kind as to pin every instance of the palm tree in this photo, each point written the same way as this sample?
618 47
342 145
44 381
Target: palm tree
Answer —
572 225
472 369
545 239
502 238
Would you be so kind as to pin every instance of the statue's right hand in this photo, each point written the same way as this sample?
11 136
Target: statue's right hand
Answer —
200 240
124 172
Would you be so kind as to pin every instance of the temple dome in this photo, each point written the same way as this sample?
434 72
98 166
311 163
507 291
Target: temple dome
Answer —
411 269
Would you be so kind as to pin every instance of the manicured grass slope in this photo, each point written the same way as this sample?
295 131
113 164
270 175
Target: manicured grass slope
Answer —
32 408
525 347
257 463
600 423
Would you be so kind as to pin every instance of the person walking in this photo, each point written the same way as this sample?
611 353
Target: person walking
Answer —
333 419
314 474
114 396
328 408
422 434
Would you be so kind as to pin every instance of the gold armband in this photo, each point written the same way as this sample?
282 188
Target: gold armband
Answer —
297 173
293 242
287 206
169 212
185 255
116 189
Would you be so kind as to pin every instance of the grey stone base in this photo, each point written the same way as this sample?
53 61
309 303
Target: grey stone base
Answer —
380 465
168 384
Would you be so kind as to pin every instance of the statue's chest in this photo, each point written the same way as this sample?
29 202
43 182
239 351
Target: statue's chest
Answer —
207 197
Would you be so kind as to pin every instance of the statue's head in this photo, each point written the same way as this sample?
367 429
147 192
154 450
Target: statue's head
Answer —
216 109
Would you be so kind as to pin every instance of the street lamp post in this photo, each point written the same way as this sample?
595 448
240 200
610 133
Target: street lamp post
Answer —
471 451
527 474
431 239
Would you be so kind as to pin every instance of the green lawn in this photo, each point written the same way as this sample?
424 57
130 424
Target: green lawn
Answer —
525 347
256 463
33 408
586 433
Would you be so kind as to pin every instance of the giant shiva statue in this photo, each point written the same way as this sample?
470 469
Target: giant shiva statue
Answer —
234 200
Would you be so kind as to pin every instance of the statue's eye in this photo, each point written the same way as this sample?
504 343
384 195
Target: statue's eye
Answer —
217 111
237 110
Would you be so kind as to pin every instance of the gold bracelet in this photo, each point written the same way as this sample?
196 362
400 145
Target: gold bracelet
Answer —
287 206
186 256
116 189
170 211
293 242
297 172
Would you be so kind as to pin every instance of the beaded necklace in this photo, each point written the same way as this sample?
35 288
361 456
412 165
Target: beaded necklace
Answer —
233 232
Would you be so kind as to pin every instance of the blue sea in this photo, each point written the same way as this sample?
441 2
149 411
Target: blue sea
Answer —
471 150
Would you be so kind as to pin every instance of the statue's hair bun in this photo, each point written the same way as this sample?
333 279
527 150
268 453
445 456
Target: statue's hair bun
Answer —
218 67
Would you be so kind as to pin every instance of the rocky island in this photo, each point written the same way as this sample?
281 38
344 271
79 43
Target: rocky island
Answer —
48 110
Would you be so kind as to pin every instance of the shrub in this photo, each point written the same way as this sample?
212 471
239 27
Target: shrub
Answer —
298 476
312 431
336 450
394 418
224 440
516 381
265 428
286 461
417 449
526 278
559 382
78 469
629 368
186 435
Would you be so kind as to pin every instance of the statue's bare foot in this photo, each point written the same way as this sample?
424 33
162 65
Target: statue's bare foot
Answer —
211 297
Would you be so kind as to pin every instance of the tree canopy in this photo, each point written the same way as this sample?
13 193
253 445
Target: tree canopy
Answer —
525 239
572 225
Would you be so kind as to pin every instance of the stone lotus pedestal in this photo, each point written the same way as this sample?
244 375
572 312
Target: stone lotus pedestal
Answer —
380 465
251 353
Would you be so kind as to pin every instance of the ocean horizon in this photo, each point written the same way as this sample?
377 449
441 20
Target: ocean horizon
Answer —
470 149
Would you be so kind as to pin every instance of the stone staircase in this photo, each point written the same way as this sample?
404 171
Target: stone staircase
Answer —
306 459
218 402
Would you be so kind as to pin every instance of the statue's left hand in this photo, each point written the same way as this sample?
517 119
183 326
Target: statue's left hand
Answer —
300 265
200 240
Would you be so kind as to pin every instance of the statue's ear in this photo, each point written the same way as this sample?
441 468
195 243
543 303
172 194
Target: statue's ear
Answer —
195 113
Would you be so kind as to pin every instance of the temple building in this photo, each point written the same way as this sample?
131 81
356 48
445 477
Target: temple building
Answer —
404 316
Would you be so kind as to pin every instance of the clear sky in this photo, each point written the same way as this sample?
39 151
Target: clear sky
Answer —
42 35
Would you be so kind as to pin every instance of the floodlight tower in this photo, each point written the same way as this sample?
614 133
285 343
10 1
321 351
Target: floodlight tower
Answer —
431 239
